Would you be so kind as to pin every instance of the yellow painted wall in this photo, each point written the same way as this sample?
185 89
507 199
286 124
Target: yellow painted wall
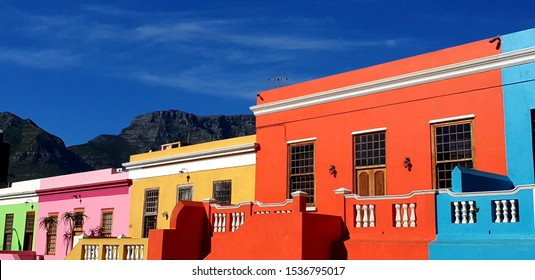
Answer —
243 183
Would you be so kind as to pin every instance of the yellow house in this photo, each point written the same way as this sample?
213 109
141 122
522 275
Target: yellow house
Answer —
223 170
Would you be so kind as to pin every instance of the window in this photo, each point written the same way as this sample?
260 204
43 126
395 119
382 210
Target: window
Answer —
28 231
184 193
78 228
301 173
51 235
150 215
453 146
106 222
370 163
222 191
533 135
8 232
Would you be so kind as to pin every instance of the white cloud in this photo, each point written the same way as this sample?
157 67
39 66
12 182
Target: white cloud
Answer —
45 59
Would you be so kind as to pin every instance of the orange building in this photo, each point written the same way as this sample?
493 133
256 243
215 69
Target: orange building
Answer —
382 130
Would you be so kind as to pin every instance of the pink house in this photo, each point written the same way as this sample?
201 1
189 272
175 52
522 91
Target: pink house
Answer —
103 196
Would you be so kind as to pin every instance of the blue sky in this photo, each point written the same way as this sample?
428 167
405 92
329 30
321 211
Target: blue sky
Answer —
84 68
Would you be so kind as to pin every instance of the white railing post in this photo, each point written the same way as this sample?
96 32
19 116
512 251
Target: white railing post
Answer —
505 211
464 212
233 223
413 214
372 215
365 216
498 212
457 212
405 215
471 218
357 218
513 211
398 215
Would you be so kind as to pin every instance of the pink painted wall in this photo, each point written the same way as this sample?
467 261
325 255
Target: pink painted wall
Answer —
99 190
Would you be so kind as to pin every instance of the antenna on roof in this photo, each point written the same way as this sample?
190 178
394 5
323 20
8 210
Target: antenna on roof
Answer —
278 81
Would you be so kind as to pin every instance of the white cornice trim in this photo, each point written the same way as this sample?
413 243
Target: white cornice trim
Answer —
369 131
487 193
450 71
451 119
302 140
219 152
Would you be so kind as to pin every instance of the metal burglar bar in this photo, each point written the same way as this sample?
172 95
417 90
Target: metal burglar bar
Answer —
107 222
301 173
222 191
8 232
151 211
370 163
184 193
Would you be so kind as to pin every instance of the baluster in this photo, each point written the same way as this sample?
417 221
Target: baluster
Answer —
513 211
365 216
85 252
405 215
457 212
357 218
224 221
141 252
96 251
398 215
218 215
242 220
498 212
130 254
216 222
233 223
413 214
372 215
107 251
505 211
464 212
471 213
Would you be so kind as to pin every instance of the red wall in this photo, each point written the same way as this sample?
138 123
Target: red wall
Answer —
404 112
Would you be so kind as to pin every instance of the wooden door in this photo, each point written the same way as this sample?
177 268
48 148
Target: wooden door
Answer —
371 182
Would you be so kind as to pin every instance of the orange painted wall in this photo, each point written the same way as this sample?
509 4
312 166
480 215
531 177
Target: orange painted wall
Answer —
404 112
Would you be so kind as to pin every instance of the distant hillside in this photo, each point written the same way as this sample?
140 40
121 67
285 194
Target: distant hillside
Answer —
36 153
149 131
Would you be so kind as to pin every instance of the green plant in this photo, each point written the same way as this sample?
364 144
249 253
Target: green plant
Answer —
48 222
72 219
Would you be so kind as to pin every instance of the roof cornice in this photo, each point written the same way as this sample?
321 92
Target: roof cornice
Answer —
450 71
218 152
86 187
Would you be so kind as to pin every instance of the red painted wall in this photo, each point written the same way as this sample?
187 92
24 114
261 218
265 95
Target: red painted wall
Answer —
404 112
291 236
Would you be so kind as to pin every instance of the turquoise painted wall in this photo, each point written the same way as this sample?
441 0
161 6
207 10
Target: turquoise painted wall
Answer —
19 223
519 99
485 239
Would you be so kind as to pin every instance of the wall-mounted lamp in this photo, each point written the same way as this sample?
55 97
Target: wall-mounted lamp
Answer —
407 163
332 170
185 170
28 201
78 196
497 38
164 214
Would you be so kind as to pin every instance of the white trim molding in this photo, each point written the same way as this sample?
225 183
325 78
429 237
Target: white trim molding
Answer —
368 131
452 119
201 155
450 71
301 140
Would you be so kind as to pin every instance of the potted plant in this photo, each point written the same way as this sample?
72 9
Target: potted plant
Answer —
71 219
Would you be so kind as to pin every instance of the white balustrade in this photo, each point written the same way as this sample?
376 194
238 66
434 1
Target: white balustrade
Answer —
111 252
501 210
405 215
134 252
364 215
220 222
465 212
261 212
90 252
237 220
283 211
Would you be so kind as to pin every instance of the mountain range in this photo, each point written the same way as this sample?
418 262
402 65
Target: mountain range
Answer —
35 153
